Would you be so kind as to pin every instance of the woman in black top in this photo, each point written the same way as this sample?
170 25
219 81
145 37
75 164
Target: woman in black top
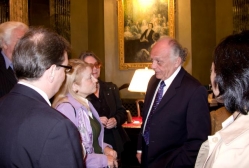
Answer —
106 101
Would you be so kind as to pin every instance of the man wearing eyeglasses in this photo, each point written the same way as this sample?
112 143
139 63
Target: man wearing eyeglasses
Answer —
32 134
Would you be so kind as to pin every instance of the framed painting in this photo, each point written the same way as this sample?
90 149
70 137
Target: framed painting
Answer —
140 24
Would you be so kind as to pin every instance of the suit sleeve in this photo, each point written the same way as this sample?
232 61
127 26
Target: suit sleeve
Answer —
62 147
198 128
120 114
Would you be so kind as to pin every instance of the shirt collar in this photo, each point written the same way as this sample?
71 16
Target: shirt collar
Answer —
172 77
8 63
235 128
42 93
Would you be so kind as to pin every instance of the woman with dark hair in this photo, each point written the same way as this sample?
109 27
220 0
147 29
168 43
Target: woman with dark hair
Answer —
229 147
107 102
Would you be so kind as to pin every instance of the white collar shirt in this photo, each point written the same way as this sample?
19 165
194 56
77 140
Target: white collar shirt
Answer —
8 63
167 83
42 93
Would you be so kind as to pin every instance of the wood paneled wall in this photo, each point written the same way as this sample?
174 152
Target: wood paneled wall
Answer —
19 11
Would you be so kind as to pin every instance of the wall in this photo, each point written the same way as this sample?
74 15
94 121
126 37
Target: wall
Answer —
199 26
18 11
203 38
224 19
183 30
87 28
39 9
96 31
113 73
183 34
79 27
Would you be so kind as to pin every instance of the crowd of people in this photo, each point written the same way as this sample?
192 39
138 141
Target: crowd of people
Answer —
56 112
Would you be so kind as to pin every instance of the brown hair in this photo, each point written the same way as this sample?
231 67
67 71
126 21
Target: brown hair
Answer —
36 51
85 54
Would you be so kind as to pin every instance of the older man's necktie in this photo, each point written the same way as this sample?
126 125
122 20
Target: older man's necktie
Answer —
157 100
10 70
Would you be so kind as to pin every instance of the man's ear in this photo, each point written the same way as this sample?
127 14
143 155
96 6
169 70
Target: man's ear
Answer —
178 61
51 73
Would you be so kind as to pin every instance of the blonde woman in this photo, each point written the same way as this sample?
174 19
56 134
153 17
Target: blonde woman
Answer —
71 101
107 101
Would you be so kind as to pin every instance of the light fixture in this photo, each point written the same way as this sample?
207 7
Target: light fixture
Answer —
140 80
139 83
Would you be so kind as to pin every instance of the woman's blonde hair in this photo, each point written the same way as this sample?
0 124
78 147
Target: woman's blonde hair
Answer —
74 76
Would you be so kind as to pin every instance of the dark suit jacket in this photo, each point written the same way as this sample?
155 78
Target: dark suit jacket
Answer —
146 45
32 134
112 98
180 123
7 79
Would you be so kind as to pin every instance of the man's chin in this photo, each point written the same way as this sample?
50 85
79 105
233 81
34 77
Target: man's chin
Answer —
158 76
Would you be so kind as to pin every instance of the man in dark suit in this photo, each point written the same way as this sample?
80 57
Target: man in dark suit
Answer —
10 33
174 127
146 38
32 134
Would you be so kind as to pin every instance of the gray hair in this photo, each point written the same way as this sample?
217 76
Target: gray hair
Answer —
6 29
178 50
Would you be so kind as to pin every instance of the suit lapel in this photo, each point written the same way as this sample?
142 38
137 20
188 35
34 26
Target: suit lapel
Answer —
149 94
167 96
172 89
150 34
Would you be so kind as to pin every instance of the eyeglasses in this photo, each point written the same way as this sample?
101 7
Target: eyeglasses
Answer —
96 65
67 67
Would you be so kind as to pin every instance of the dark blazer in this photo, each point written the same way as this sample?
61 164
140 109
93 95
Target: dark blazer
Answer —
7 79
179 125
146 45
111 94
32 134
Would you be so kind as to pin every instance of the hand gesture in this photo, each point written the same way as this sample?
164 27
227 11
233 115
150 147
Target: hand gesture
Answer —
104 120
109 151
112 163
138 155
111 157
111 123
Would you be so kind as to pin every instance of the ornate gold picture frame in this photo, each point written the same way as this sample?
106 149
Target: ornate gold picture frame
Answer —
140 24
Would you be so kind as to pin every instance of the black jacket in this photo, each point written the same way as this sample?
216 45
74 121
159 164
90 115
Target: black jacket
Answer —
7 79
180 124
34 135
111 95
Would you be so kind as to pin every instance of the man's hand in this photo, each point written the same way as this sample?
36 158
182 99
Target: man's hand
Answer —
111 123
103 120
139 155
